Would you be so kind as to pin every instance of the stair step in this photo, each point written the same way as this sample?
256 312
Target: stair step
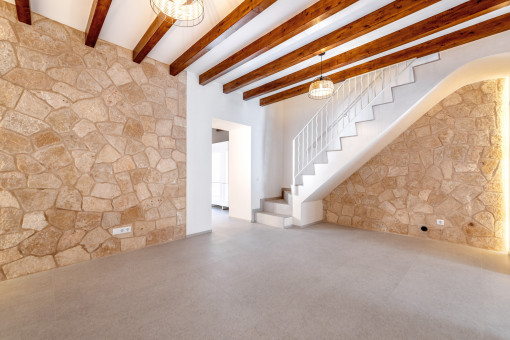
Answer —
274 220
277 206
287 195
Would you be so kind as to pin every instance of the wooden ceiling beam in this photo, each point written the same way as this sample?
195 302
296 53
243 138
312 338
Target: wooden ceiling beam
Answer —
311 16
394 11
434 24
156 31
23 11
457 38
97 16
241 15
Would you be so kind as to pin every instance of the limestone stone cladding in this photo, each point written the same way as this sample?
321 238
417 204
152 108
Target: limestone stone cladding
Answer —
89 141
448 165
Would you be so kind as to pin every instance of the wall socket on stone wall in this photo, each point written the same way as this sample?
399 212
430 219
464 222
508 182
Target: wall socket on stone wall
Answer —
122 230
440 222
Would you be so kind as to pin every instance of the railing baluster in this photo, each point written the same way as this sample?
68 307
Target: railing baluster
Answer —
350 98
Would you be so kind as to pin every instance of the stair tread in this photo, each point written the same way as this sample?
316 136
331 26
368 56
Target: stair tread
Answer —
273 214
277 200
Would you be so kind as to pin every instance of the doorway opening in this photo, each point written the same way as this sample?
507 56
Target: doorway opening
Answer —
230 171
219 172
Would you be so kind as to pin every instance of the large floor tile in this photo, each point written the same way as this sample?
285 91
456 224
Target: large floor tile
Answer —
249 281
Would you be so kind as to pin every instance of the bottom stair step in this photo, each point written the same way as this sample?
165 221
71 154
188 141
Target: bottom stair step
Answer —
274 220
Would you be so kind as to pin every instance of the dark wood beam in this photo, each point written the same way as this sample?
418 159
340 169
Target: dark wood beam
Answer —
23 10
392 12
313 15
241 15
434 24
96 19
457 38
156 31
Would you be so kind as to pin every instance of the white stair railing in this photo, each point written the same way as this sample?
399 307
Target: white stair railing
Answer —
346 103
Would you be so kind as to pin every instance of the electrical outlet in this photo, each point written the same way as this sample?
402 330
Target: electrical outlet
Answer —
440 222
122 230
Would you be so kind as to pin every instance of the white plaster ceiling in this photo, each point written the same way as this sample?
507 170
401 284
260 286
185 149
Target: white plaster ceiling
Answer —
128 20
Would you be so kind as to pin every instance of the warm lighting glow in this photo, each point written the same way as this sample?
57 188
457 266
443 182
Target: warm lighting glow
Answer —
506 150
180 12
321 88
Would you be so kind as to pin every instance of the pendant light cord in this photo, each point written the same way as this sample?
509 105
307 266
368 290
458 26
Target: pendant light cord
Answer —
321 65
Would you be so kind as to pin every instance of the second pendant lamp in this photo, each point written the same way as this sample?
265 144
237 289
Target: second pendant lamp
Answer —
322 87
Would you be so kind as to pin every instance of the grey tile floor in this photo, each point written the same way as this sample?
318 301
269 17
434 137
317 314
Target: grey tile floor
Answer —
248 281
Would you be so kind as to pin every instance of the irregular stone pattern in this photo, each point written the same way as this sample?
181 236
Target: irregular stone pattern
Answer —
448 165
89 141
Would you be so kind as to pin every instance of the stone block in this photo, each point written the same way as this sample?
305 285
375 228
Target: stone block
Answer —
94 238
70 238
44 181
9 255
61 219
106 190
35 220
7 200
53 157
160 236
133 243
8 59
36 199
92 109
62 120
29 79
41 243
71 256
110 219
6 163
22 124
28 265
45 138
124 202
109 247
88 220
9 93
12 142
119 75
133 129
124 164
69 199
96 204
10 220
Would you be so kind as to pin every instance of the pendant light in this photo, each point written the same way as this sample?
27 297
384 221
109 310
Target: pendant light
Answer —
322 87
180 12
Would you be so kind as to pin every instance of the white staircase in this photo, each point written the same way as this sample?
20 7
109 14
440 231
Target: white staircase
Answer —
328 149
367 112
352 103
277 212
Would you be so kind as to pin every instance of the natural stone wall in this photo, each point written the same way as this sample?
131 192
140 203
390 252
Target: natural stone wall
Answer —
447 165
89 141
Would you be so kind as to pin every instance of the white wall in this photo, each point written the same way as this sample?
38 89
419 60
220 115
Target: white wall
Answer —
205 103
239 167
